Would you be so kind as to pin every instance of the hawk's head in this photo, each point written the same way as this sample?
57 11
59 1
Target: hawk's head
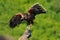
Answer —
37 9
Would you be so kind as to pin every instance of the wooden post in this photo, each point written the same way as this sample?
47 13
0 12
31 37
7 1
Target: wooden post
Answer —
27 34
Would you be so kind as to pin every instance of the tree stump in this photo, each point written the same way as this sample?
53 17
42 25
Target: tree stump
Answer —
27 34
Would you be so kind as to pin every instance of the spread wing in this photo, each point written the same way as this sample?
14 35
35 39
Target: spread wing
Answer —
15 20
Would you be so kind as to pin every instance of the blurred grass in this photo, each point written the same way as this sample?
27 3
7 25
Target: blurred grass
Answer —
46 26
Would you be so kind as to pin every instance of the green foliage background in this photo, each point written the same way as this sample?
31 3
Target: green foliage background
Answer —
46 26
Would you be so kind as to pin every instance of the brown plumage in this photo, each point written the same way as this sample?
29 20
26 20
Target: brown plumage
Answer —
29 17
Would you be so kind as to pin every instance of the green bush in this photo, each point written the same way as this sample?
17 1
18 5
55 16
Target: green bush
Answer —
46 26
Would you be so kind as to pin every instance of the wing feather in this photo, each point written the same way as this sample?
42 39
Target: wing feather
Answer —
15 20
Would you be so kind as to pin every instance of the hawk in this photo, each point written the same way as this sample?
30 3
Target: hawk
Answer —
29 17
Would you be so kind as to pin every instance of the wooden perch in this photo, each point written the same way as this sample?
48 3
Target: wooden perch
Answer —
27 34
